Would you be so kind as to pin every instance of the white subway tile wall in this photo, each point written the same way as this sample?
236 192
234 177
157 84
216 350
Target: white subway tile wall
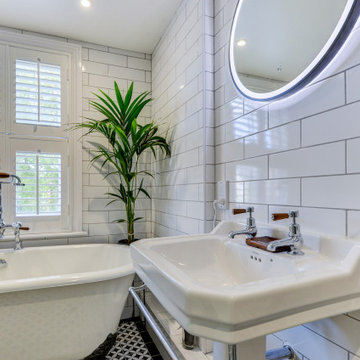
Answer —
183 102
298 153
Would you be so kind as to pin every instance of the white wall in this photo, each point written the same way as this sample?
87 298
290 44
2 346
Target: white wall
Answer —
302 153
183 100
101 66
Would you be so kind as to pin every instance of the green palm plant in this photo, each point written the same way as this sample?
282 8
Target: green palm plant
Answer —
128 141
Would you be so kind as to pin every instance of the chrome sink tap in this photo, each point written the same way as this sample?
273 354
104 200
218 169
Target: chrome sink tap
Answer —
294 240
250 229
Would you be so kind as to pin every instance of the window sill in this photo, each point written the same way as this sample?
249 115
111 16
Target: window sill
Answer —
47 236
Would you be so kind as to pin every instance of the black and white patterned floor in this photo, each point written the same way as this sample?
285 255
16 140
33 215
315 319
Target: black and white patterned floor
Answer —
133 342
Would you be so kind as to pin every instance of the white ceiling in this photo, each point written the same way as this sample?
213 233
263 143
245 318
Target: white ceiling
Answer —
127 24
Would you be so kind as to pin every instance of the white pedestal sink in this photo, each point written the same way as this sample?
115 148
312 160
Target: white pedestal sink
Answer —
224 290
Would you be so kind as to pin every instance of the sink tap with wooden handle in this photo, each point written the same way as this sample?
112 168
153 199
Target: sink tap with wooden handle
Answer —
294 240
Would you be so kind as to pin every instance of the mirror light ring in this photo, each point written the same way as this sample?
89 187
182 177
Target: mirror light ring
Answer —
337 39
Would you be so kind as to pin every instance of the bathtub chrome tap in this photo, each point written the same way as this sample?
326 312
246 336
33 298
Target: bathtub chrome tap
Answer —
16 181
3 263
3 227
17 227
294 240
250 229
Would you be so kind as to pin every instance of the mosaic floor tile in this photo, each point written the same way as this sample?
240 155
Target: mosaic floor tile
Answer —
133 342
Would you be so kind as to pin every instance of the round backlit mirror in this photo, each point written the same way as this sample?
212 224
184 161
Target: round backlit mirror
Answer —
279 46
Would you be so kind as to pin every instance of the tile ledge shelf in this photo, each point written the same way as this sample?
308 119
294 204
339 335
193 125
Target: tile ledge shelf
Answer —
47 236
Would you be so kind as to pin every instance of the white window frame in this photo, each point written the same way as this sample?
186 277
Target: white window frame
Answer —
56 137
3 154
2 89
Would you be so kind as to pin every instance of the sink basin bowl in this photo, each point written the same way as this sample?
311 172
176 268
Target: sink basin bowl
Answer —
224 290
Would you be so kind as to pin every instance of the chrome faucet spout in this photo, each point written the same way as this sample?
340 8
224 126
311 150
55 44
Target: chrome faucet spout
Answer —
294 242
250 229
250 232
3 227
16 180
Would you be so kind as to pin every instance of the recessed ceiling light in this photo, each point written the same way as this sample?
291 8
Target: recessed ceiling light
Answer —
241 43
86 3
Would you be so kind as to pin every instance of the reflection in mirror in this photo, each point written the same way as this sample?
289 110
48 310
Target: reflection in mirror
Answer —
277 43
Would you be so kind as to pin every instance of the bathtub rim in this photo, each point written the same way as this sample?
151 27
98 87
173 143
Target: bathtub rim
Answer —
36 283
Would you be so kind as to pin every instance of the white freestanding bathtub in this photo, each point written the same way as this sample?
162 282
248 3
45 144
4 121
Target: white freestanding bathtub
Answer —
61 302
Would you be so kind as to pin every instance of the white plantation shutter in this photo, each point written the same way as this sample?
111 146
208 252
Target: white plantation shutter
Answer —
40 93
37 93
43 166
42 175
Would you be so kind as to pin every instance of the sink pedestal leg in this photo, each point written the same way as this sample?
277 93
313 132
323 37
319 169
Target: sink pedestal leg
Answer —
253 349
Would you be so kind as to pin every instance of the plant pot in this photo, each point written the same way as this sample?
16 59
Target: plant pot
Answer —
125 241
